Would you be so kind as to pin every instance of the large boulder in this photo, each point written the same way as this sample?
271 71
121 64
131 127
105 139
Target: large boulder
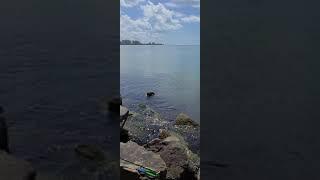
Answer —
133 156
12 168
181 162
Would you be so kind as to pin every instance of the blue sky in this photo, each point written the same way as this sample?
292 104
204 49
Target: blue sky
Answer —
164 21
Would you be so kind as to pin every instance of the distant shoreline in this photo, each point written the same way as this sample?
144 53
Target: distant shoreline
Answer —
134 42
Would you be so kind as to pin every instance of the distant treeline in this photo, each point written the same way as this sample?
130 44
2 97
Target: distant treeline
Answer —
130 42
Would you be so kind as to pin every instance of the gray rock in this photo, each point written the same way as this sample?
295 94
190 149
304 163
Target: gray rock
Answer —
12 168
181 162
133 156
185 120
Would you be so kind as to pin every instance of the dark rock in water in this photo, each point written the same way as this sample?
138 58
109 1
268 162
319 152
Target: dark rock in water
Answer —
185 120
12 168
133 156
4 145
149 94
180 161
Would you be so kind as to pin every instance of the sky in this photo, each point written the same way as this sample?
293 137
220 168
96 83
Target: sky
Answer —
162 21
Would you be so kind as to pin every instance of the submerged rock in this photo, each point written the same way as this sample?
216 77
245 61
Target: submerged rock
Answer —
180 161
185 120
133 156
12 168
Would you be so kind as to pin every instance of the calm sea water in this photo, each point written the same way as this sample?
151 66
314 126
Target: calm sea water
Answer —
57 61
172 72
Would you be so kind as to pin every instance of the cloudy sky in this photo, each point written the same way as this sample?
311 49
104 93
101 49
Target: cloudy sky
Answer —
164 21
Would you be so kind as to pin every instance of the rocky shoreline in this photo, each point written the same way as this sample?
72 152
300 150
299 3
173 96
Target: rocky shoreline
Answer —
169 148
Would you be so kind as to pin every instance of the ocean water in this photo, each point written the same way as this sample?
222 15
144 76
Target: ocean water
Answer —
172 72
57 60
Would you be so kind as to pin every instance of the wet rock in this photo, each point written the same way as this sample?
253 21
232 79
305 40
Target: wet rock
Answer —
180 161
12 168
124 112
191 135
133 156
163 133
185 120
144 125
149 94
4 145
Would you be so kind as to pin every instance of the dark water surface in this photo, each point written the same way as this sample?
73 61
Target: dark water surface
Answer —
172 72
57 59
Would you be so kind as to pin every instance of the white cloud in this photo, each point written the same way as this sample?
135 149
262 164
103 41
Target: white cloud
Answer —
130 3
135 29
161 18
191 19
157 19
